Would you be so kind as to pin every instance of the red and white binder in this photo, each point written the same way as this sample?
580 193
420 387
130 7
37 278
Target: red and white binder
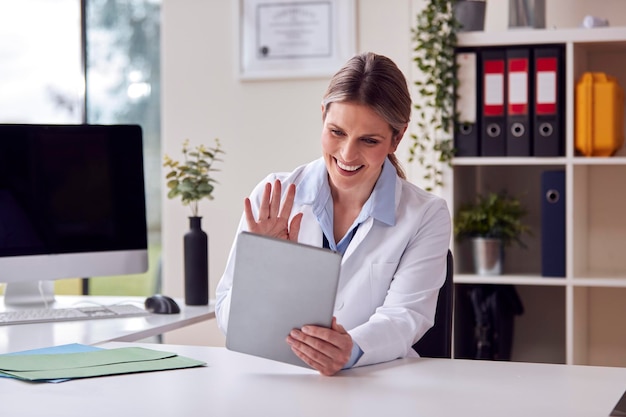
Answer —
548 132
493 101
518 131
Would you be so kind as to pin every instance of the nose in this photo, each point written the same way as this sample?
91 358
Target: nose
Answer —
349 150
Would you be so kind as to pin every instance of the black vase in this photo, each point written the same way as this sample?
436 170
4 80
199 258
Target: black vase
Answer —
196 248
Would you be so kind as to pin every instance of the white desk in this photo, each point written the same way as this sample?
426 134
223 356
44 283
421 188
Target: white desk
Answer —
235 385
15 338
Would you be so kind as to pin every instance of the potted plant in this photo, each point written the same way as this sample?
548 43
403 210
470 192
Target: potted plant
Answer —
435 36
492 222
191 180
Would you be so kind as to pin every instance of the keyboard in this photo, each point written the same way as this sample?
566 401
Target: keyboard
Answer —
45 315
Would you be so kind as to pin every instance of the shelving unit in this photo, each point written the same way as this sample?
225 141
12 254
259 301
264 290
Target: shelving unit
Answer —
577 319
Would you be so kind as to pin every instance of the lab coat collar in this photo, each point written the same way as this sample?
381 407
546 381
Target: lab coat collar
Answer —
315 191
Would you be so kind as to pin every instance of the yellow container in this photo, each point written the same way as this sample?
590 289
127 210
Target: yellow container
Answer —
599 121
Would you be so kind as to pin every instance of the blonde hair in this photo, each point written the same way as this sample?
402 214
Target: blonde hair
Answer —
375 81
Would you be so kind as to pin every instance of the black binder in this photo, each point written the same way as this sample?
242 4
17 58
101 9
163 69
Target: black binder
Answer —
549 101
493 137
466 129
553 223
518 131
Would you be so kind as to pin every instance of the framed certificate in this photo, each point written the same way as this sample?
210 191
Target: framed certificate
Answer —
295 38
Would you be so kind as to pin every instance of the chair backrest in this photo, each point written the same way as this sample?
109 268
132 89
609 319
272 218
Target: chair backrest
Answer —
437 342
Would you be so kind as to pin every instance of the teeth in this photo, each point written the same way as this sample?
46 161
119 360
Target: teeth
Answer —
348 167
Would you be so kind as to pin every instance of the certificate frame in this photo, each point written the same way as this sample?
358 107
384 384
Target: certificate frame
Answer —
295 38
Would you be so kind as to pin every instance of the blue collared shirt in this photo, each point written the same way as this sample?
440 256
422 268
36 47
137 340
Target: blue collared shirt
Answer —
380 205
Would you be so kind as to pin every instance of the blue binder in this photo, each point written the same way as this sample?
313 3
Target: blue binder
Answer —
553 223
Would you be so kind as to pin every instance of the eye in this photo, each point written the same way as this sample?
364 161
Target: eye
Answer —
336 132
370 141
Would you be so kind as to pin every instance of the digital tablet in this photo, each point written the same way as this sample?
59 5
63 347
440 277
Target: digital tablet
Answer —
278 285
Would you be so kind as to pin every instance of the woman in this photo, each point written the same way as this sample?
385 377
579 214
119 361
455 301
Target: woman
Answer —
355 200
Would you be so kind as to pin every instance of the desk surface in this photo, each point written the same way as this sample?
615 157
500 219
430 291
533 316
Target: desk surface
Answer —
234 384
14 338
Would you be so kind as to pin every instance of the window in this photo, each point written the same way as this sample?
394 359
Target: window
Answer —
43 80
40 75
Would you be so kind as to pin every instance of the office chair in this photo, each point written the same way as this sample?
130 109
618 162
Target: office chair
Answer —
437 342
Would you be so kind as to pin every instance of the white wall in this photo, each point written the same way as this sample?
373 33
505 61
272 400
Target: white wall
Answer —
268 126
264 126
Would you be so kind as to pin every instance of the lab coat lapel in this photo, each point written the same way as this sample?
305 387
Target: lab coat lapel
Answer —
366 226
310 230
360 234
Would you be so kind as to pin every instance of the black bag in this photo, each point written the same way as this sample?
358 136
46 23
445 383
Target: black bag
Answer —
495 308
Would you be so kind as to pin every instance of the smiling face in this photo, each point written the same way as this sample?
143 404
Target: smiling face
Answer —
355 143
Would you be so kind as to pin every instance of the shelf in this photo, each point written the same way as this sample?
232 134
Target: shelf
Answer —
495 161
574 319
509 280
602 36
600 282
521 161
599 160
537 280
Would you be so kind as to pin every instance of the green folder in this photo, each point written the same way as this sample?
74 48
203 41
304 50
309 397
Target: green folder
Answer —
103 362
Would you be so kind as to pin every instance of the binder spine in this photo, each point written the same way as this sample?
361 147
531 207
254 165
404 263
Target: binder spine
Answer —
553 223
518 130
493 103
466 130
549 110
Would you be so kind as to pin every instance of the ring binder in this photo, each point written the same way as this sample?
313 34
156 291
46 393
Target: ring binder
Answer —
548 135
493 119
553 223
466 132
518 129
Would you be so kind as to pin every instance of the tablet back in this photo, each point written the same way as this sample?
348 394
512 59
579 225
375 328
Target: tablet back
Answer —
279 285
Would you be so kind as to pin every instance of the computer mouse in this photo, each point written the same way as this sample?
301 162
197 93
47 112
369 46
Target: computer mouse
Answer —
161 304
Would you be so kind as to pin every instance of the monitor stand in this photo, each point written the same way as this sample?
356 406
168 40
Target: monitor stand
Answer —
35 293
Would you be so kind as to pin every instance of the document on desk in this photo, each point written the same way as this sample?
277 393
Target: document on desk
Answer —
69 348
53 367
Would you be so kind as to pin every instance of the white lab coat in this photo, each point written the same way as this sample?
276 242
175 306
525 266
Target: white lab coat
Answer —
390 275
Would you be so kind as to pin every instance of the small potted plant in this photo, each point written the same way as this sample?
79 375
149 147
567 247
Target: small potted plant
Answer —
191 180
492 222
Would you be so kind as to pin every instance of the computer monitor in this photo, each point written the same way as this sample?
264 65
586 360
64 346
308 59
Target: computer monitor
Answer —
72 205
